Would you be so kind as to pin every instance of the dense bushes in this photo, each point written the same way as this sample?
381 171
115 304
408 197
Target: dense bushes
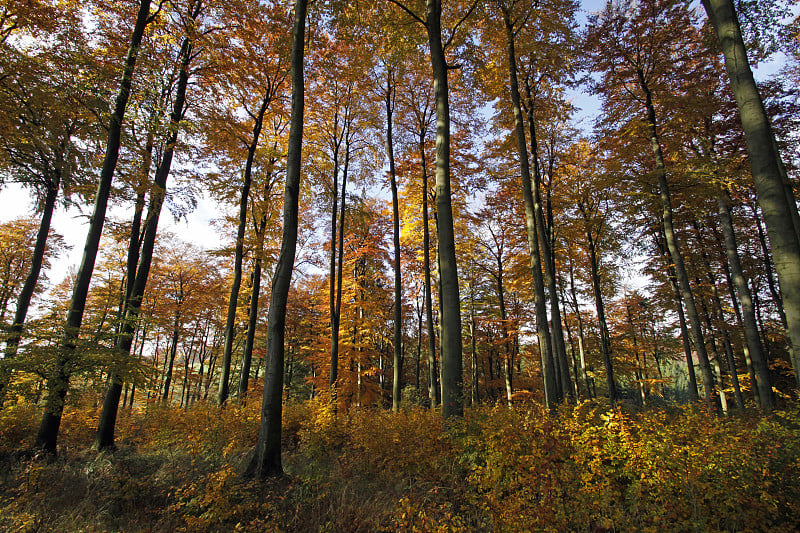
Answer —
585 468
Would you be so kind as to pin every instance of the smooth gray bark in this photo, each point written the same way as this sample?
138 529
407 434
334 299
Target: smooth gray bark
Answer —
542 330
778 205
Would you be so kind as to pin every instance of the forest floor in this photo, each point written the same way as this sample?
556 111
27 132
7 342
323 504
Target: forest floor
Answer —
585 468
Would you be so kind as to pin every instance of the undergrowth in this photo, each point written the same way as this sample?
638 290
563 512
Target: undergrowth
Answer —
584 468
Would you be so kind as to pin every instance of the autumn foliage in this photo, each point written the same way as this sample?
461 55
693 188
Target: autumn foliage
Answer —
585 468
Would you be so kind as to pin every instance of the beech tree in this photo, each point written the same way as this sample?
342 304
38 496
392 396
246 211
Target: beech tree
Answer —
638 54
775 195
58 383
266 460
46 130
450 304
105 431
251 59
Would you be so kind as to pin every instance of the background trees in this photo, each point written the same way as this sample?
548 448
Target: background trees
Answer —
615 261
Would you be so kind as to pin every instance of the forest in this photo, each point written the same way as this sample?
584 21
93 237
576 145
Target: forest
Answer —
446 299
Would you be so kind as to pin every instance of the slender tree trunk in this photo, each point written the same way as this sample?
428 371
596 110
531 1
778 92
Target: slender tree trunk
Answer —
755 349
58 382
266 459
658 237
433 380
581 343
545 347
337 301
419 348
170 361
104 438
252 319
26 293
233 301
548 258
716 313
605 338
472 328
673 246
334 318
775 198
640 370
739 320
397 385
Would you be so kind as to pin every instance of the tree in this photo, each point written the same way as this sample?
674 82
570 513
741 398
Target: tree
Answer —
450 304
105 431
19 241
266 459
46 110
639 53
775 195
252 70
417 105
58 383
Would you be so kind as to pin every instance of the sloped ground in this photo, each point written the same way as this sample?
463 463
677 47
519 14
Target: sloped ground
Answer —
586 468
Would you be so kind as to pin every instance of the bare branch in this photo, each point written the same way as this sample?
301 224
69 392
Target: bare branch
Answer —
407 10
455 28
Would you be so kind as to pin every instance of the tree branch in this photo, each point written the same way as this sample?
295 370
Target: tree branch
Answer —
455 28
407 10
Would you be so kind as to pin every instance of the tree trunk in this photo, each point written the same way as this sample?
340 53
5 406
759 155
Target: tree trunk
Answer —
739 320
233 301
605 338
397 385
687 348
672 244
170 361
763 382
472 328
777 203
266 459
104 438
433 380
26 293
252 319
450 306
337 300
545 348
58 383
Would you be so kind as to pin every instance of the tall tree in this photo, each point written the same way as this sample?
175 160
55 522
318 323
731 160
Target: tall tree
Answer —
58 382
450 304
775 196
253 74
104 438
47 107
266 459
639 51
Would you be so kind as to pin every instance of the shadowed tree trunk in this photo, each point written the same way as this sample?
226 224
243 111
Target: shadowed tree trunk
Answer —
26 293
398 302
233 301
605 337
104 438
266 460
673 246
545 345
58 382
